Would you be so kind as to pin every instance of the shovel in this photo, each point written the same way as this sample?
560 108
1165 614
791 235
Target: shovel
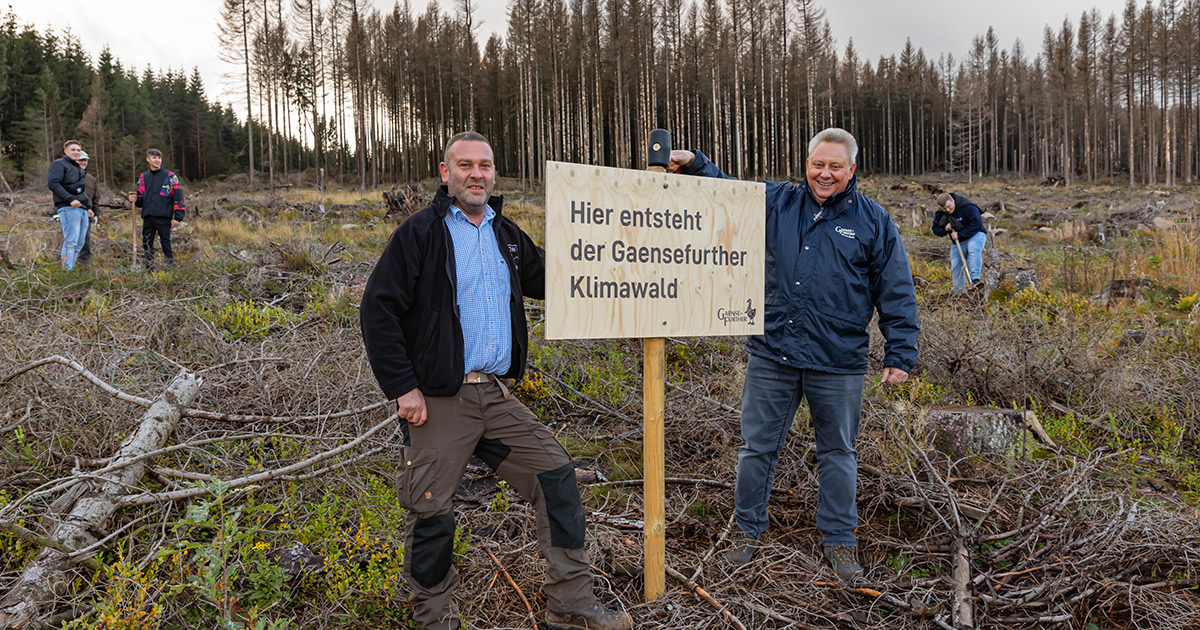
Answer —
966 267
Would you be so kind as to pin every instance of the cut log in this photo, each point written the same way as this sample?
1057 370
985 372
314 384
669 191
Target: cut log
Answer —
48 575
960 431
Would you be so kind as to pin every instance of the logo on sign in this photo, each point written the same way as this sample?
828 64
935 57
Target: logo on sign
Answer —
746 315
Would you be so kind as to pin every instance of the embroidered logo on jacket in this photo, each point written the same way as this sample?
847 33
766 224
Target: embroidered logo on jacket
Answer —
847 232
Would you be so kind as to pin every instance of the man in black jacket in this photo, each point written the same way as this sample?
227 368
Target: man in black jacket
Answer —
161 200
65 180
444 326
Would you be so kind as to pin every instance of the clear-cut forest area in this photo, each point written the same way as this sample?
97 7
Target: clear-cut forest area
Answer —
205 445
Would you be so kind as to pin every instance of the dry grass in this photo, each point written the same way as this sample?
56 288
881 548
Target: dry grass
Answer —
1100 530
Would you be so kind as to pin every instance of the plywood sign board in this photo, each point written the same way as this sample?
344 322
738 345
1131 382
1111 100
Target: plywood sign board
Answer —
641 254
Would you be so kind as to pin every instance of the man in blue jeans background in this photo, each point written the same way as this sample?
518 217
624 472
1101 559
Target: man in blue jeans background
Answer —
834 257
66 183
960 219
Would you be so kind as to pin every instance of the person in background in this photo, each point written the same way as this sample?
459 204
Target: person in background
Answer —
65 180
161 200
91 189
960 219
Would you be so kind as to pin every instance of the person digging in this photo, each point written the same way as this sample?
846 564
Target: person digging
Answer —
960 219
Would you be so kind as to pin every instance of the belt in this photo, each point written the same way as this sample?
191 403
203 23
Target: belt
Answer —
477 377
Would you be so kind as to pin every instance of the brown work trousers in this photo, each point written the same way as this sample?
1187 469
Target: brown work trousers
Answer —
484 420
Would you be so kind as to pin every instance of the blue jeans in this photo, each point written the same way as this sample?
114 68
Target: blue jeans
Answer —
770 398
74 223
973 248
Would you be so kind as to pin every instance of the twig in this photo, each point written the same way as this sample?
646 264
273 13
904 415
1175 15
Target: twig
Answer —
189 413
672 480
528 608
584 396
792 623
268 475
703 594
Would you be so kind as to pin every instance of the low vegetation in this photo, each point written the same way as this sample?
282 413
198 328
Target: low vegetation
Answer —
1095 532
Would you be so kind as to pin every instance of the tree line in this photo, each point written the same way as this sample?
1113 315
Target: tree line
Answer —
370 96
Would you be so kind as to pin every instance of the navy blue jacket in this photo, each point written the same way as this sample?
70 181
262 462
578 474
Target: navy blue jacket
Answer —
409 313
829 267
967 213
66 183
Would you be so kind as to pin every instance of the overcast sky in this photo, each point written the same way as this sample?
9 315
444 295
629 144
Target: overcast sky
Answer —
182 34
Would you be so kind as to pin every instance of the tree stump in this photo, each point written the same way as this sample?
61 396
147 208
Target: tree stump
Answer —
961 431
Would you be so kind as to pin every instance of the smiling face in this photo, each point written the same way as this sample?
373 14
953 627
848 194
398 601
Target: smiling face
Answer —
470 175
155 162
82 163
73 151
949 207
829 170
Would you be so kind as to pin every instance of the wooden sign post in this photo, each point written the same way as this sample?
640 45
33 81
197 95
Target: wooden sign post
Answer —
652 255
654 378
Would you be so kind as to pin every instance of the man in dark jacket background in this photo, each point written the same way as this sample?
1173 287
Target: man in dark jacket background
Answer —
65 180
834 257
444 325
960 219
161 200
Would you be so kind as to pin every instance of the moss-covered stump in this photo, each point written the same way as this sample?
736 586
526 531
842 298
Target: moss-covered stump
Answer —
961 431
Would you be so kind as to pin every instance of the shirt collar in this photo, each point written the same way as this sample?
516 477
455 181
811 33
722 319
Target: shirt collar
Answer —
488 214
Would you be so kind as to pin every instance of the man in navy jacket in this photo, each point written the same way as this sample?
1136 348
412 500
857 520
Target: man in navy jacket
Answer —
960 219
834 257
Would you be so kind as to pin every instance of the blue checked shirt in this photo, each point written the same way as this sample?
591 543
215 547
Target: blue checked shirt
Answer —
483 293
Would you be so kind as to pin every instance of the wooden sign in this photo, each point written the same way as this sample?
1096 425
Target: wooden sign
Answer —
641 254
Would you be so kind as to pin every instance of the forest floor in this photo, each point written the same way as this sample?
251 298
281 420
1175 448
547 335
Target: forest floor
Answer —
1100 530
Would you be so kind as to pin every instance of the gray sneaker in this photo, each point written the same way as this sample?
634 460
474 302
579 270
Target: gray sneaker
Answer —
844 560
741 548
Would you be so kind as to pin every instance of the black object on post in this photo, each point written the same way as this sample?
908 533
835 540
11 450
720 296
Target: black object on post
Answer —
660 148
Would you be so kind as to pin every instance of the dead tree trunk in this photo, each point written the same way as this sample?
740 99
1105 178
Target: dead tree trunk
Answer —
48 575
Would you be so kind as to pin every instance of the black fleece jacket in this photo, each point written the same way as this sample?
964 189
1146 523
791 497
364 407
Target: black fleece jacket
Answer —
409 314
65 181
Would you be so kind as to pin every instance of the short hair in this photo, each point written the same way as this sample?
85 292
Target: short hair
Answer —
154 152
70 142
943 199
835 135
469 136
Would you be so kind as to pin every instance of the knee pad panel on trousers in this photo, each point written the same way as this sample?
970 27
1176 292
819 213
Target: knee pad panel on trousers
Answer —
493 452
563 507
432 549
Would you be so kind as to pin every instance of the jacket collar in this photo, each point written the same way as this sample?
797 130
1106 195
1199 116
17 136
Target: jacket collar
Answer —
834 204
442 202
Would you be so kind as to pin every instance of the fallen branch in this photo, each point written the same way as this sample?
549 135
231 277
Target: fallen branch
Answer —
267 475
188 413
46 576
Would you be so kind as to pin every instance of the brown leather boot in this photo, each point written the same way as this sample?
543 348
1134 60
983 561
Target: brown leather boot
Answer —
594 617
